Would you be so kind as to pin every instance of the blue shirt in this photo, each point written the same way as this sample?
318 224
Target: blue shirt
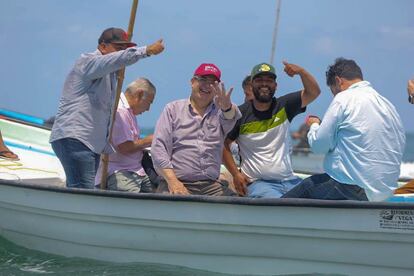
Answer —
88 97
363 139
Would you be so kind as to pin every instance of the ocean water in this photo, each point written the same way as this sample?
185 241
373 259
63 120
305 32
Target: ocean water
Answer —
409 149
16 261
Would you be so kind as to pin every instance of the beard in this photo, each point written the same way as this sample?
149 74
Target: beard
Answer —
263 97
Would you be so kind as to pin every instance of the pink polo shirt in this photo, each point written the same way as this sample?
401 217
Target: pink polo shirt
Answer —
125 129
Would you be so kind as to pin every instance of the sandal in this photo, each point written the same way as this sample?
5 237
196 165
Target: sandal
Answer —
9 155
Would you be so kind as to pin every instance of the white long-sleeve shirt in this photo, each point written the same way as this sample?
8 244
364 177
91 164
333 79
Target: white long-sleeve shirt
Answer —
363 139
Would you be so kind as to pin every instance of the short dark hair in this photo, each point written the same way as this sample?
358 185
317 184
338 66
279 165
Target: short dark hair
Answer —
343 68
247 80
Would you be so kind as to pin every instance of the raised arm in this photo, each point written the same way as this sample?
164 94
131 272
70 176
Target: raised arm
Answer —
311 88
100 65
230 112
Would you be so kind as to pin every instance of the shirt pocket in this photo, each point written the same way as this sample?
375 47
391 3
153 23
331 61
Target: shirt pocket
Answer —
101 94
213 130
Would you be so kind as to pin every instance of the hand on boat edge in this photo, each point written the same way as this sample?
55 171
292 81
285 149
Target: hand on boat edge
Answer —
177 188
241 181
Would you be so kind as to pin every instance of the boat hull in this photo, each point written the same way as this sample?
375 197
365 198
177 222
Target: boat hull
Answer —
222 234
239 236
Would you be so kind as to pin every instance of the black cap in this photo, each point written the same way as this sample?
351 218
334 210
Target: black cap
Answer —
115 35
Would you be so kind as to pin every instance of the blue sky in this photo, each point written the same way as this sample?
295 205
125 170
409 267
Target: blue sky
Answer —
40 40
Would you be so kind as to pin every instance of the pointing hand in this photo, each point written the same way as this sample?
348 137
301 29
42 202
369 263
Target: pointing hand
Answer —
292 69
155 48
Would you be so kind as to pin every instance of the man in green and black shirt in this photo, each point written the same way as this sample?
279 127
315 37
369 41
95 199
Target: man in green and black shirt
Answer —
263 133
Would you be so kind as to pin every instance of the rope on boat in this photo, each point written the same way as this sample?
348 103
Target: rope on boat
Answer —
17 178
16 165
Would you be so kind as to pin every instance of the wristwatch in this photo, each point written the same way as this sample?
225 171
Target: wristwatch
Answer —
411 99
228 109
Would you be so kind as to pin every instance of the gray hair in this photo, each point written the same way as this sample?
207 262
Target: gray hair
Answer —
140 84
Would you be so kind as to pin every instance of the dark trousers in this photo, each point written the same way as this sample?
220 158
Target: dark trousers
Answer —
203 187
150 171
322 186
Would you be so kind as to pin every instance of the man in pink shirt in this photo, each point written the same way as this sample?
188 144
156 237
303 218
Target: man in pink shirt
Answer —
125 169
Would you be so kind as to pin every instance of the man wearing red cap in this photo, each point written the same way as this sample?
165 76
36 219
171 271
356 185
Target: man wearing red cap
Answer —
81 128
188 139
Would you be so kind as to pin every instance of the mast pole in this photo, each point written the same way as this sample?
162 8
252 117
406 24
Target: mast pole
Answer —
275 30
120 80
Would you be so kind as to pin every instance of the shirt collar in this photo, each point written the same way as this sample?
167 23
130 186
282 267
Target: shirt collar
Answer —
210 108
97 52
359 84
123 101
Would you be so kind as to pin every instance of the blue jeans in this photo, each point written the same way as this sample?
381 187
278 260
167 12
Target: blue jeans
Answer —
322 186
271 189
78 161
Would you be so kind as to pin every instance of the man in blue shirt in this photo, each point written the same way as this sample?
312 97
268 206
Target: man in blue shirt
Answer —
362 138
81 129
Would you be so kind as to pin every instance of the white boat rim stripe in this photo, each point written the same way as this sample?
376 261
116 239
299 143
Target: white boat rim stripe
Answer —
29 148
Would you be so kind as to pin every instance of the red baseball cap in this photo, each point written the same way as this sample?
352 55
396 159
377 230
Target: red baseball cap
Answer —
206 69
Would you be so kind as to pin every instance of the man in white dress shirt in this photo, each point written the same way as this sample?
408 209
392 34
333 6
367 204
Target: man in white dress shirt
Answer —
362 138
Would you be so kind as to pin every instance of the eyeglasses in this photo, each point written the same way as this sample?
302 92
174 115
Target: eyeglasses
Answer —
204 80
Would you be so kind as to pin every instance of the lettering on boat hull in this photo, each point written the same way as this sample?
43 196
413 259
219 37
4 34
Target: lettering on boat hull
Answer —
396 219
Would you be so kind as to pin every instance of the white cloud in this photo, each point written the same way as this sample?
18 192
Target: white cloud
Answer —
398 36
324 45
74 28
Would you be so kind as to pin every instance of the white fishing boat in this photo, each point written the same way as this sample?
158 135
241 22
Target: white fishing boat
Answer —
222 234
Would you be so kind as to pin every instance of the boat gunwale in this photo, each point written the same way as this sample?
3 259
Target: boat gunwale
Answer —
286 202
30 124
